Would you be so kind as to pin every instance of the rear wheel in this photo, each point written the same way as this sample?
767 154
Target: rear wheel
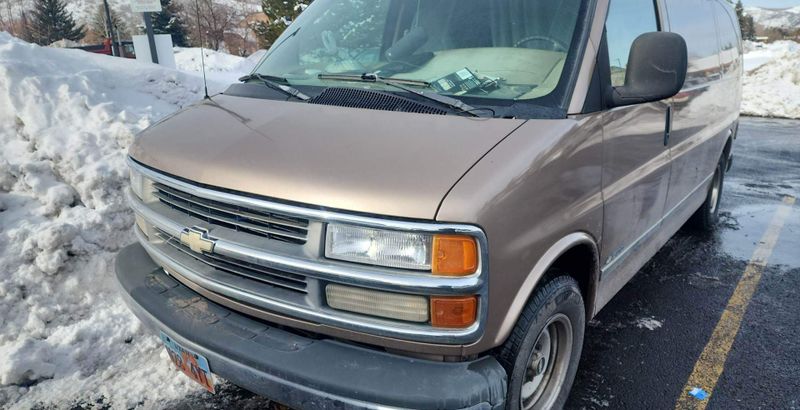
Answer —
541 355
707 216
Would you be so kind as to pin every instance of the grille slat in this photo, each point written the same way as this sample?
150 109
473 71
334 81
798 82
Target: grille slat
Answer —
284 280
273 226
227 208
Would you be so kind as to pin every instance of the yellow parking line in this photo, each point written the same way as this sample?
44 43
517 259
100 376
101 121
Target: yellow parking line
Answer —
712 361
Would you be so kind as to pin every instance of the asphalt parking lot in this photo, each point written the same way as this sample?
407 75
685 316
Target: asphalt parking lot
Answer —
642 351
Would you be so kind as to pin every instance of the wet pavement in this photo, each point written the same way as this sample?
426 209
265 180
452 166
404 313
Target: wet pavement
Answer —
642 347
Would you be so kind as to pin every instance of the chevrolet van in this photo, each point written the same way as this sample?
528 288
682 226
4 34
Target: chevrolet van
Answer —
421 203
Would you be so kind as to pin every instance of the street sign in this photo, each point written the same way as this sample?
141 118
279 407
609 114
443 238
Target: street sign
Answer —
144 6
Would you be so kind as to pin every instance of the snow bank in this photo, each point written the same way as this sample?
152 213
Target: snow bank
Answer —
758 54
772 80
66 120
220 67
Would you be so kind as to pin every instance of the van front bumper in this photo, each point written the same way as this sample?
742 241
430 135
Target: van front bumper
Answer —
296 370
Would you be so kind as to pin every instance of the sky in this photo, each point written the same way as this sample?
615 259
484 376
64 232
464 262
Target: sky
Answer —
777 4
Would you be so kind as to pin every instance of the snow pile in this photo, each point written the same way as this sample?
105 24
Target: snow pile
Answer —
188 59
758 54
772 80
66 120
220 67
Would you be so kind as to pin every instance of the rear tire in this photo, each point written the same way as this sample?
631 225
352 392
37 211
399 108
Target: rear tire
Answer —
707 216
542 353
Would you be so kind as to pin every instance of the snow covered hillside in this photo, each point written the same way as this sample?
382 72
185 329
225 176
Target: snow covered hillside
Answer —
765 17
84 10
772 80
66 120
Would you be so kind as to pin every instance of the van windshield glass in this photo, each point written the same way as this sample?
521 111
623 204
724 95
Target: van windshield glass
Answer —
501 49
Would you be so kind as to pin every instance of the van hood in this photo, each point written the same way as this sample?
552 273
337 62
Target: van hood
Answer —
377 162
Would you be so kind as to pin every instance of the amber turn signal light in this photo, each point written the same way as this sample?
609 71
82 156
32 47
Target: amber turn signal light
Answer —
454 255
453 312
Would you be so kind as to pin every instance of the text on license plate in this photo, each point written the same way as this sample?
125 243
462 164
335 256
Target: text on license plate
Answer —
192 364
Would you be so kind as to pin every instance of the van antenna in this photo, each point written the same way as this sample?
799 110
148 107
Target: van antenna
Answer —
202 58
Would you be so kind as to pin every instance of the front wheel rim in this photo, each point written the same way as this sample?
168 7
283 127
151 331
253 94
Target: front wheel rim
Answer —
716 187
548 364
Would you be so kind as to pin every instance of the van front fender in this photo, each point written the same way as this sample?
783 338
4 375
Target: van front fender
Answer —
541 268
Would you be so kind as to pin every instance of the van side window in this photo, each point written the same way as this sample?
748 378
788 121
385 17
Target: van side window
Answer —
627 19
693 20
728 39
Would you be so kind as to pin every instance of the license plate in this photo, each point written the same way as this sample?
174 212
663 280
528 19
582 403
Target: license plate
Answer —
192 364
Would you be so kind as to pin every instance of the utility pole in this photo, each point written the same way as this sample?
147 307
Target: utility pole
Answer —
110 30
148 25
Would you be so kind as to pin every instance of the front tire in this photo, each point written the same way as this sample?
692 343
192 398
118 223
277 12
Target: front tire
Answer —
707 216
542 353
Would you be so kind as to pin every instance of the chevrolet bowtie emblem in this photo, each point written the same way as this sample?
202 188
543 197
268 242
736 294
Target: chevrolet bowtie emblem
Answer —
197 240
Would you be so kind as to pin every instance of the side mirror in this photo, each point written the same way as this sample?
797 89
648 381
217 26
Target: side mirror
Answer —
656 69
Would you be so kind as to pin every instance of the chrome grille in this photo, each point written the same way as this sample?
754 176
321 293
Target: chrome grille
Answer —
268 225
248 270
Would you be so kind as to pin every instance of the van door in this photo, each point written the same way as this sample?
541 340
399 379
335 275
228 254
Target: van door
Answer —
636 162
696 139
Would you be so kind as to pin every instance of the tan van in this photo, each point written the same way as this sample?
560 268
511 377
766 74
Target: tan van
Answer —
420 204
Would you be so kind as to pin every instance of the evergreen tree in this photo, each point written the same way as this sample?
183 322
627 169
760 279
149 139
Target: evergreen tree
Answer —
746 22
50 22
280 14
168 21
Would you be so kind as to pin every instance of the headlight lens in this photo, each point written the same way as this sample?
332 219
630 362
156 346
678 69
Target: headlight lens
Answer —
379 247
141 186
137 182
445 255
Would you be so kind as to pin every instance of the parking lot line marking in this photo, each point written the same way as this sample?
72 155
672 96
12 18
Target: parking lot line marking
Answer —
711 363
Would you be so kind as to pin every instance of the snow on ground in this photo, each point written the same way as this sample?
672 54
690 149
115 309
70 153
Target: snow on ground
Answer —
648 323
220 67
66 120
772 80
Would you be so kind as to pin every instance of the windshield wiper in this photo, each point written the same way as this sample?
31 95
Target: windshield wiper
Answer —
453 103
273 83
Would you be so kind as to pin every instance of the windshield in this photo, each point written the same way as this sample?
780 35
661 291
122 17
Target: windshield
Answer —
499 49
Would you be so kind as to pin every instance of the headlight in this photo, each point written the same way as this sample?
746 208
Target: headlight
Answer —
379 247
448 255
141 186
137 182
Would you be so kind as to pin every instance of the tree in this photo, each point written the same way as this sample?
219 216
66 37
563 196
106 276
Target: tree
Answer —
215 19
50 22
746 22
25 27
169 21
280 14
98 24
